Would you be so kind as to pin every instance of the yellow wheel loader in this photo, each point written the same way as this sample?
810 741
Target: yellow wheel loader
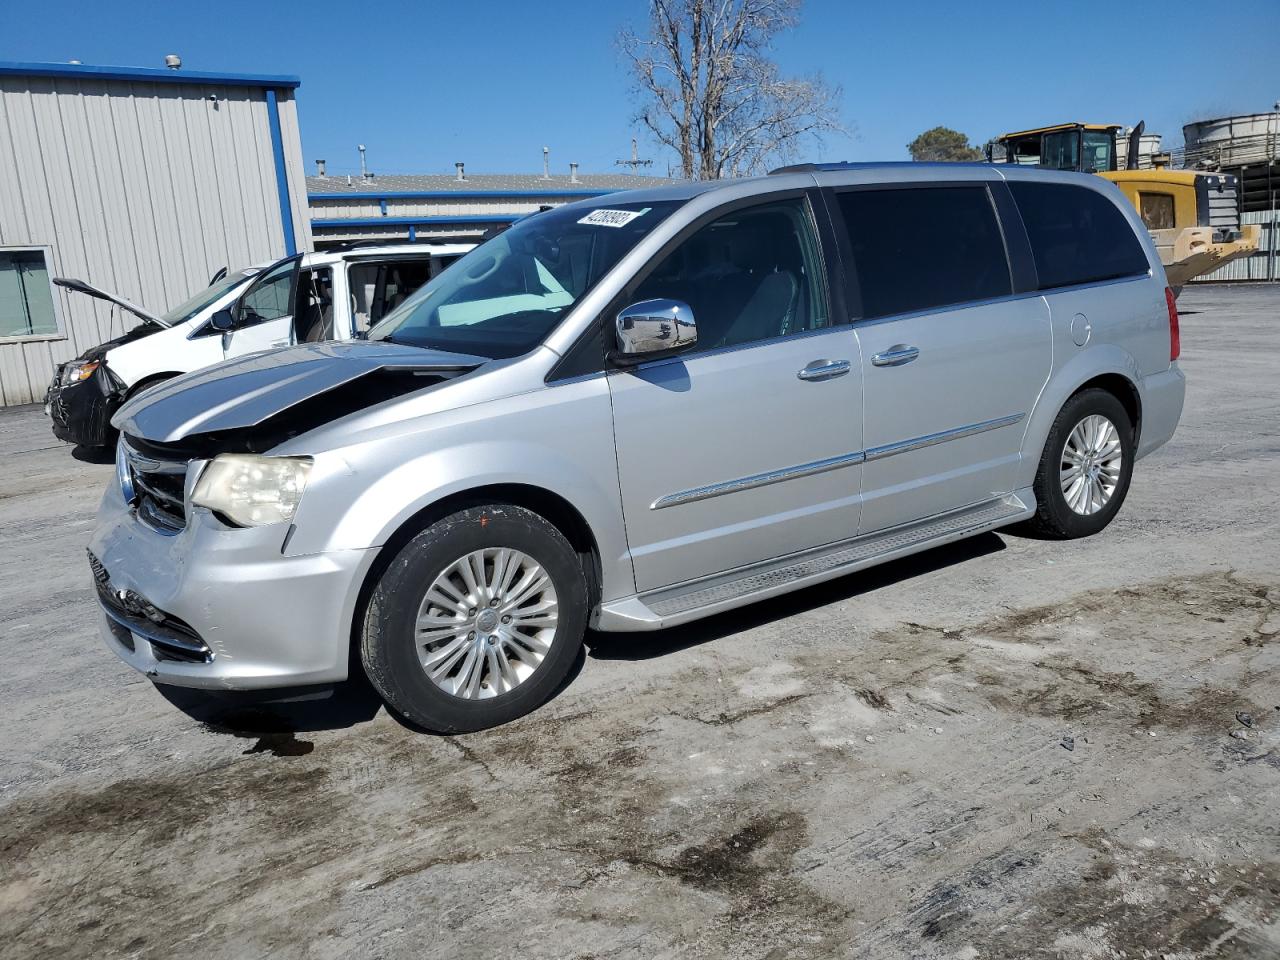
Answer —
1193 217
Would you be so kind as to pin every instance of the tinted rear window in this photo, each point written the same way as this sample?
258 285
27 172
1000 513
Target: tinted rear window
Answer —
1077 235
921 248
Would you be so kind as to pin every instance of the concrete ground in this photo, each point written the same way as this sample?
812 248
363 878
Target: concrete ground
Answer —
1005 748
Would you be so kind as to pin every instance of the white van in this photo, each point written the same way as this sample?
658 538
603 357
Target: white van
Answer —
338 295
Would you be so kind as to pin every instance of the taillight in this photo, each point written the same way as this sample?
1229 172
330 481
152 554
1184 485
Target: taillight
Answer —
1175 336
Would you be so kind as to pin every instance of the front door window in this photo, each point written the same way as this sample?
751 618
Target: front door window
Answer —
749 276
270 297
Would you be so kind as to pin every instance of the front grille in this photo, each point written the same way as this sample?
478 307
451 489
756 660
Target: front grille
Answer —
129 612
160 487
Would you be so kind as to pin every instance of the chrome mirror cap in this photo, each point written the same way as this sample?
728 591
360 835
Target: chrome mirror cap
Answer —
655 326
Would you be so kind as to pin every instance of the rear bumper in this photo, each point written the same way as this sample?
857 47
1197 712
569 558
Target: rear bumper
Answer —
1162 398
222 609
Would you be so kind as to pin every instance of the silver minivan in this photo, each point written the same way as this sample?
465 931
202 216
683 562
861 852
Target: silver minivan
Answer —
632 412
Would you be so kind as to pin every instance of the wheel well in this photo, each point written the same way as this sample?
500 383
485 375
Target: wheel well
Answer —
150 381
1122 388
552 507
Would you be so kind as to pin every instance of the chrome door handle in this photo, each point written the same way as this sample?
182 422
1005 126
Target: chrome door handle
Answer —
824 370
895 356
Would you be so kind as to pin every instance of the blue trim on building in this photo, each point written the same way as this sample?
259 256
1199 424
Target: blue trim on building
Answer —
416 221
84 71
282 175
459 194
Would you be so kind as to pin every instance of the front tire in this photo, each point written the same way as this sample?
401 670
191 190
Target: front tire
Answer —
1085 469
477 621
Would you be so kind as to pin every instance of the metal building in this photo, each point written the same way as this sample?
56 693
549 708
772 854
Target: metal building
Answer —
142 181
408 207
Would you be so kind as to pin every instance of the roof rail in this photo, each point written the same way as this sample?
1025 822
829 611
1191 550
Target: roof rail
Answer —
858 164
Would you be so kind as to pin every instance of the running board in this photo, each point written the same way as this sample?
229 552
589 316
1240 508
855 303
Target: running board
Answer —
691 601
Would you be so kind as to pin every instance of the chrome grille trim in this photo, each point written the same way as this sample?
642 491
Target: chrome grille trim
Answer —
157 485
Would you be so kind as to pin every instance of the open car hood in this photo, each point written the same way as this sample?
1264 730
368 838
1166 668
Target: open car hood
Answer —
89 290
326 380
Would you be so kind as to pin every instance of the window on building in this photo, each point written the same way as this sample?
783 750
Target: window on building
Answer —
1157 210
752 275
1077 235
26 298
924 248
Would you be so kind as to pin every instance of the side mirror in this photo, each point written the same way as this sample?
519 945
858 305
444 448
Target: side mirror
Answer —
653 328
223 321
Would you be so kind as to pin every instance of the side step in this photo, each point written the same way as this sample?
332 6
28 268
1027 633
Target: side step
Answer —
691 601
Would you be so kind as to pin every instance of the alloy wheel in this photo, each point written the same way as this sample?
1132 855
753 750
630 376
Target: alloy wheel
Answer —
1091 464
486 623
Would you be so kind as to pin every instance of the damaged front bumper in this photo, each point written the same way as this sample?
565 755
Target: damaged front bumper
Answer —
221 608
81 412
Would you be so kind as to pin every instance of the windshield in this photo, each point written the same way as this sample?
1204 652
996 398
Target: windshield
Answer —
504 297
189 308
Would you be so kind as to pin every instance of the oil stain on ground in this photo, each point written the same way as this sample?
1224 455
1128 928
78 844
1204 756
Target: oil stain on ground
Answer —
692 817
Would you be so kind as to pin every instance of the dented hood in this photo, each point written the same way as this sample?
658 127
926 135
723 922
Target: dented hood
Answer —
243 393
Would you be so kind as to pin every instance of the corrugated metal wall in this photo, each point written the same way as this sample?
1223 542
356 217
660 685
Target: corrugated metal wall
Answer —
1262 265
454 206
139 187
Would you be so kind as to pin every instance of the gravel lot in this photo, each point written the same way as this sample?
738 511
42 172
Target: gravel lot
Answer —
1003 748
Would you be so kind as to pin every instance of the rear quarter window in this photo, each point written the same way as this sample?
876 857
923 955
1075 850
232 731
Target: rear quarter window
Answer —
1077 235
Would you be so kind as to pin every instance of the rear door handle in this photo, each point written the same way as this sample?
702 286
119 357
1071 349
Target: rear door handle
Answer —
824 370
895 356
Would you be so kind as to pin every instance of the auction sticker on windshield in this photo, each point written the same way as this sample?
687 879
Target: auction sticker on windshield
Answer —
612 218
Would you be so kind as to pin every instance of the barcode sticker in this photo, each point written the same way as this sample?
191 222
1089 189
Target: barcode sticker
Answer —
611 218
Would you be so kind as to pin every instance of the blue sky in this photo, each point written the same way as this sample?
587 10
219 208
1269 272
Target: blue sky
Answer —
425 84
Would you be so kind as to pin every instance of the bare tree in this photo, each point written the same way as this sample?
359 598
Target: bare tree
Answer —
709 91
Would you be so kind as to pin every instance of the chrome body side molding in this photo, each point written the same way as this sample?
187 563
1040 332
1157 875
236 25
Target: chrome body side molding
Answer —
917 443
757 480
833 463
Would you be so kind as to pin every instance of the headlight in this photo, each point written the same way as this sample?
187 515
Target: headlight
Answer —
76 372
250 490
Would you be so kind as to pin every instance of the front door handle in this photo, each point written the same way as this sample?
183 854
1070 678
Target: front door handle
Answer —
895 356
824 370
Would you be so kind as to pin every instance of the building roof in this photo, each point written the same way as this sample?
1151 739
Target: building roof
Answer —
85 71
476 184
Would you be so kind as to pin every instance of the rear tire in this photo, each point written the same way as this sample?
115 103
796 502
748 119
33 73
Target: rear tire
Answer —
1085 468
478 620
